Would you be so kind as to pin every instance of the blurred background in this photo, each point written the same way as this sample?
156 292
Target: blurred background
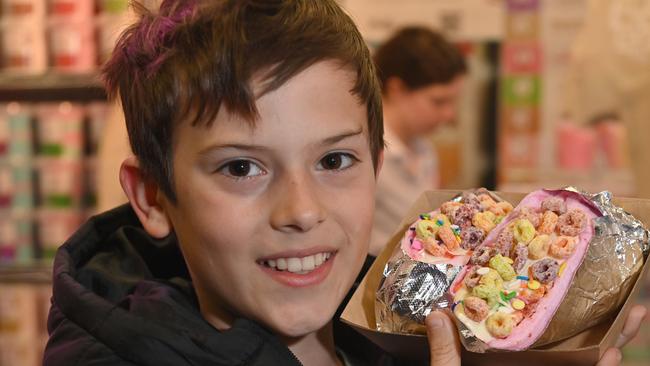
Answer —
557 93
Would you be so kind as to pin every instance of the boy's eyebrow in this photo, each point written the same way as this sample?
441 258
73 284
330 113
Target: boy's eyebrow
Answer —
212 148
336 138
328 141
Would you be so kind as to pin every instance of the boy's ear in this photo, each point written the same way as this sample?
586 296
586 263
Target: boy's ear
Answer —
144 197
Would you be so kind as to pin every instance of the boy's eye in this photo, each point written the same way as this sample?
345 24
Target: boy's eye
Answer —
336 161
241 169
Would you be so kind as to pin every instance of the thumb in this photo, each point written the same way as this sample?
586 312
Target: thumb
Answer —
444 346
612 357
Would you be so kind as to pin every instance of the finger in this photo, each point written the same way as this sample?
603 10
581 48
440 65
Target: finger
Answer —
632 325
612 357
443 340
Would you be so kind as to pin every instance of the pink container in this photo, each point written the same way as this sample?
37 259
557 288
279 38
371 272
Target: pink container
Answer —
16 239
72 9
613 140
8 238
23 47
576 147
522 57
55 227
21 9
60 130
72 46
60 183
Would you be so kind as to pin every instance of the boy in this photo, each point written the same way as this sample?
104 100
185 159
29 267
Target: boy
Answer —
257 134
256 128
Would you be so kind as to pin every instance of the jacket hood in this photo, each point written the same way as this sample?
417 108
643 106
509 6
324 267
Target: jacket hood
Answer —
133 294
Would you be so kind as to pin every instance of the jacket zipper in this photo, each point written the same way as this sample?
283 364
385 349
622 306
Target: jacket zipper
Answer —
295 357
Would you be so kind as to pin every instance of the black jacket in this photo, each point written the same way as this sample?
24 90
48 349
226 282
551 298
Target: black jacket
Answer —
121 297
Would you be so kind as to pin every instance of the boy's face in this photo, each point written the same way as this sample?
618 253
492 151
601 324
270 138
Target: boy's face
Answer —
274 220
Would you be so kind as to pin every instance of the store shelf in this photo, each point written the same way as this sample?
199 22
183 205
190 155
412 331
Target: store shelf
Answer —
51 87
35 273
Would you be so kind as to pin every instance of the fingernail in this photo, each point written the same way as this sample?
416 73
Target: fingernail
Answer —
619 355
436 322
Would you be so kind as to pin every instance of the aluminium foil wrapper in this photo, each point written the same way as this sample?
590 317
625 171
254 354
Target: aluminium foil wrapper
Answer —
615 257
410 290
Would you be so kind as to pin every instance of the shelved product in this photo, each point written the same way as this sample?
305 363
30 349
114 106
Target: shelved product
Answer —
52 111
62 36
23 323
46 175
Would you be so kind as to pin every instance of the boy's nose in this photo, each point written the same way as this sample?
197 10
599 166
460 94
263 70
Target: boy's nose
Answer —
298 207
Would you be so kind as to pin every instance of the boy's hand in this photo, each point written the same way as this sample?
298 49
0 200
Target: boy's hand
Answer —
444 345
633 322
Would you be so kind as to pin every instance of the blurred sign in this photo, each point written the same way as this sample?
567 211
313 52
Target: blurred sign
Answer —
521 90
460 20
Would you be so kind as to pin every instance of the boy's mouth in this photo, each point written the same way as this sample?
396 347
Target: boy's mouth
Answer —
298 265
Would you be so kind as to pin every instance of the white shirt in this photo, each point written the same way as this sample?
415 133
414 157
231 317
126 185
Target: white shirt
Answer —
406 173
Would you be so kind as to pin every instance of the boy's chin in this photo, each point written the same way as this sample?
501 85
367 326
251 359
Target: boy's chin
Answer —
304 315
299 326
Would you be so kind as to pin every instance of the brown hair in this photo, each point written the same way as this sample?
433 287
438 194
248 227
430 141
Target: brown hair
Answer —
192 57
419 57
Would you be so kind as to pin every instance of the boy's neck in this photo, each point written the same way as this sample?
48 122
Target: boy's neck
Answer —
315 349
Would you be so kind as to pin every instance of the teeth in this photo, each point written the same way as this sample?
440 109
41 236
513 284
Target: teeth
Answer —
295 265
299 265
308 263
282 264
